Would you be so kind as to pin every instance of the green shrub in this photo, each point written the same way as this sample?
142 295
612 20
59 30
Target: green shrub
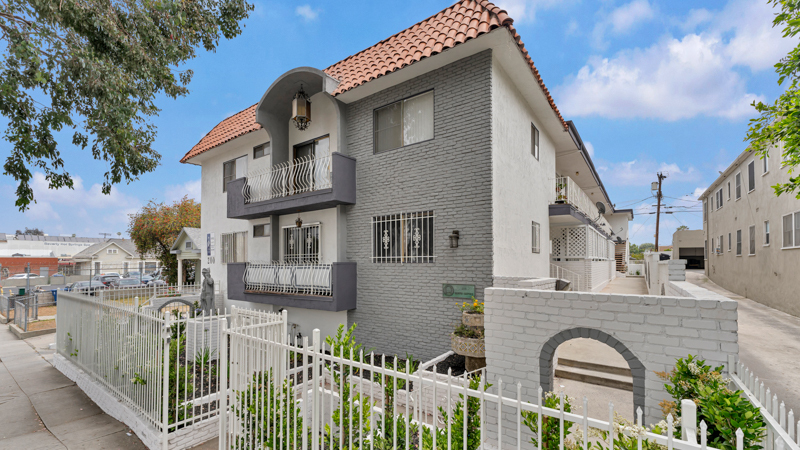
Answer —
551 429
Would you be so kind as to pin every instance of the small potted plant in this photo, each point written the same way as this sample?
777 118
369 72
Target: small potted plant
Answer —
468 337
561 189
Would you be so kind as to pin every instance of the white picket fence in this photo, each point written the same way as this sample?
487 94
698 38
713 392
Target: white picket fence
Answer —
308 396
783 433
125 351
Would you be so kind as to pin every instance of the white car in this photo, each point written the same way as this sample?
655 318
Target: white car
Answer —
111 274
22 276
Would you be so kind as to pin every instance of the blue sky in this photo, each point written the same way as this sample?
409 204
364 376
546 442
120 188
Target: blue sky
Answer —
651 85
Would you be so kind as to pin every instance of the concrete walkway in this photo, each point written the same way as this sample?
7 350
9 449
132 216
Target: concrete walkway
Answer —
626 285
42 409
769 342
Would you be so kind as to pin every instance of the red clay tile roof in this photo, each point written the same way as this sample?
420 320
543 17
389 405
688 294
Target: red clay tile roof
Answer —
465 20
230 128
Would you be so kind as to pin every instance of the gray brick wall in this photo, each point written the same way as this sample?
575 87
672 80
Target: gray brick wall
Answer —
400 307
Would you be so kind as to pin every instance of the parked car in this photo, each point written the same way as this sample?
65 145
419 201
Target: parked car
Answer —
22 276
132 274
126 283
157 281
84 287
106 280
111 274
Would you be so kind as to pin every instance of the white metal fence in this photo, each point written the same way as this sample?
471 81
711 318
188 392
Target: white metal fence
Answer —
783 432
306 174
575 279
162 366
331 400
280 277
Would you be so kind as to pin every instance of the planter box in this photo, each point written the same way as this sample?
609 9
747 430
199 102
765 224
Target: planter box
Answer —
472 319
475 348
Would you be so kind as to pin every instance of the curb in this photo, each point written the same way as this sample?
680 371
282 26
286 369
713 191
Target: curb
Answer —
28 334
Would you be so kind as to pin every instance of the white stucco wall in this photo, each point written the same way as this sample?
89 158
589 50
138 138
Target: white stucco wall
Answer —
328 234
520 183
323 122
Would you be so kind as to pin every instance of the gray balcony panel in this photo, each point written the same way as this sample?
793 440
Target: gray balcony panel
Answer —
341 192
343 298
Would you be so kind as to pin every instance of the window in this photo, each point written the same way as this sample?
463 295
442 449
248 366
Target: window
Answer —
751 175
403 238
729 190
233 169
766 233
721 245
729 242
714 249
791 230
261 150
711 204
738 185
752 240
262 230
302 245
234 248
403 123
188 245
535 142
112 251
738 242
765 162
719 198
705 211
535 238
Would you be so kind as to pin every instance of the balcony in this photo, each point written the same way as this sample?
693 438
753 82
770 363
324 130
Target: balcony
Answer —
573 207
305 184
325 287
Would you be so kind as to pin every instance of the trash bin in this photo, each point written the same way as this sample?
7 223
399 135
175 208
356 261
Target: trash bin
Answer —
55 295
663 257
21 291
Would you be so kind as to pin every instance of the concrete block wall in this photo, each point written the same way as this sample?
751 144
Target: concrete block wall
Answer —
524 327
658 274
400 306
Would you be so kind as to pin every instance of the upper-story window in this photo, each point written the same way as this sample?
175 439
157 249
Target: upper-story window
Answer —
261 230
403 123
234 247
233 169
536 237
751 175
738 242
738 185
752 230
729 190
765 162
535 141
719 198
260 151
112 251
188 245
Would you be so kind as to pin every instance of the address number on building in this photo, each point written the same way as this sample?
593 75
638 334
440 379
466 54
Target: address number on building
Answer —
458 290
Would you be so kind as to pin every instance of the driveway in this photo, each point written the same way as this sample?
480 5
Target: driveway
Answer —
769 342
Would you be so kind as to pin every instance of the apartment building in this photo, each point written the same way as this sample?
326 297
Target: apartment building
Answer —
435 164
752 236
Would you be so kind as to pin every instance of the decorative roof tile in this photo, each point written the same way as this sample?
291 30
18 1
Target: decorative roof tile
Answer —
465 20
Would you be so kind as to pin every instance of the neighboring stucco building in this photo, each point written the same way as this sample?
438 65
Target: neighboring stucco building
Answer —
689 245
752 235
113 255
435 164
53 246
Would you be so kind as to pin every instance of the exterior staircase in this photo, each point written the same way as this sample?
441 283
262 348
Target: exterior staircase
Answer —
619 257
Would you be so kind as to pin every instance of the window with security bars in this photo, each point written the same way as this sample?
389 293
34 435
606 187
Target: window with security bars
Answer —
403 238
302 245
233 247
535 238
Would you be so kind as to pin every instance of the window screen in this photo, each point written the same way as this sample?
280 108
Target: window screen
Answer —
738 242
752 240
738 185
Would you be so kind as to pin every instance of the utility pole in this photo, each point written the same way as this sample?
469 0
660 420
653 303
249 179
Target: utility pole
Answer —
658 207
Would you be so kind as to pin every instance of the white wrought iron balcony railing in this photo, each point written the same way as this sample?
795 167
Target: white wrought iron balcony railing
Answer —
306 174
288 278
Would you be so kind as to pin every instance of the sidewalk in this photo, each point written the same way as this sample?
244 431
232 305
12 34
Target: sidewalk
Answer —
42 409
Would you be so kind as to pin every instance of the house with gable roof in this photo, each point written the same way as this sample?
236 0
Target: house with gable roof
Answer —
398 182
113 255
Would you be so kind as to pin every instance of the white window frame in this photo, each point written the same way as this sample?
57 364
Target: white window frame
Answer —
729 242
719 195
535 141
738 185
721 244
233 247
536 237
765 165
751 179
307 251
738 242
389 232
187 245
729 191
751 251
402 103
112 251
766 233
795 216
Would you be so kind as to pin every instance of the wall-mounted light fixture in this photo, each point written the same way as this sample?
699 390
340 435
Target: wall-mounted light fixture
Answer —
299 222
454 239
301 109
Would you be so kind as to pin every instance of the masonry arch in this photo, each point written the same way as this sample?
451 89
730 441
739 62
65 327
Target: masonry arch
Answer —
172 304
547 354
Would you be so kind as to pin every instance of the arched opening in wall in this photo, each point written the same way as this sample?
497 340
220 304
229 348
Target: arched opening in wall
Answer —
584 362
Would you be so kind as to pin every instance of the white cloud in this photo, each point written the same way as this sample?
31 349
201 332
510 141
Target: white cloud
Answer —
673 79
572 28
679 77
173 193
590 148
525 10
697 193
622 20
42 211
307 12
642 172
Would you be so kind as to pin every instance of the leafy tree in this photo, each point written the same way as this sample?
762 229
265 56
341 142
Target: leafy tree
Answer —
682 227
96 67
634 249
646 247
779 122
155 228
31 231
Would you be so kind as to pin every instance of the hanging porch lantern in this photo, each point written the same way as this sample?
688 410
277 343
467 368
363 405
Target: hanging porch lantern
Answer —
301 109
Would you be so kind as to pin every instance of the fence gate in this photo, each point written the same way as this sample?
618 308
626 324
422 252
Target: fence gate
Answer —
257 355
